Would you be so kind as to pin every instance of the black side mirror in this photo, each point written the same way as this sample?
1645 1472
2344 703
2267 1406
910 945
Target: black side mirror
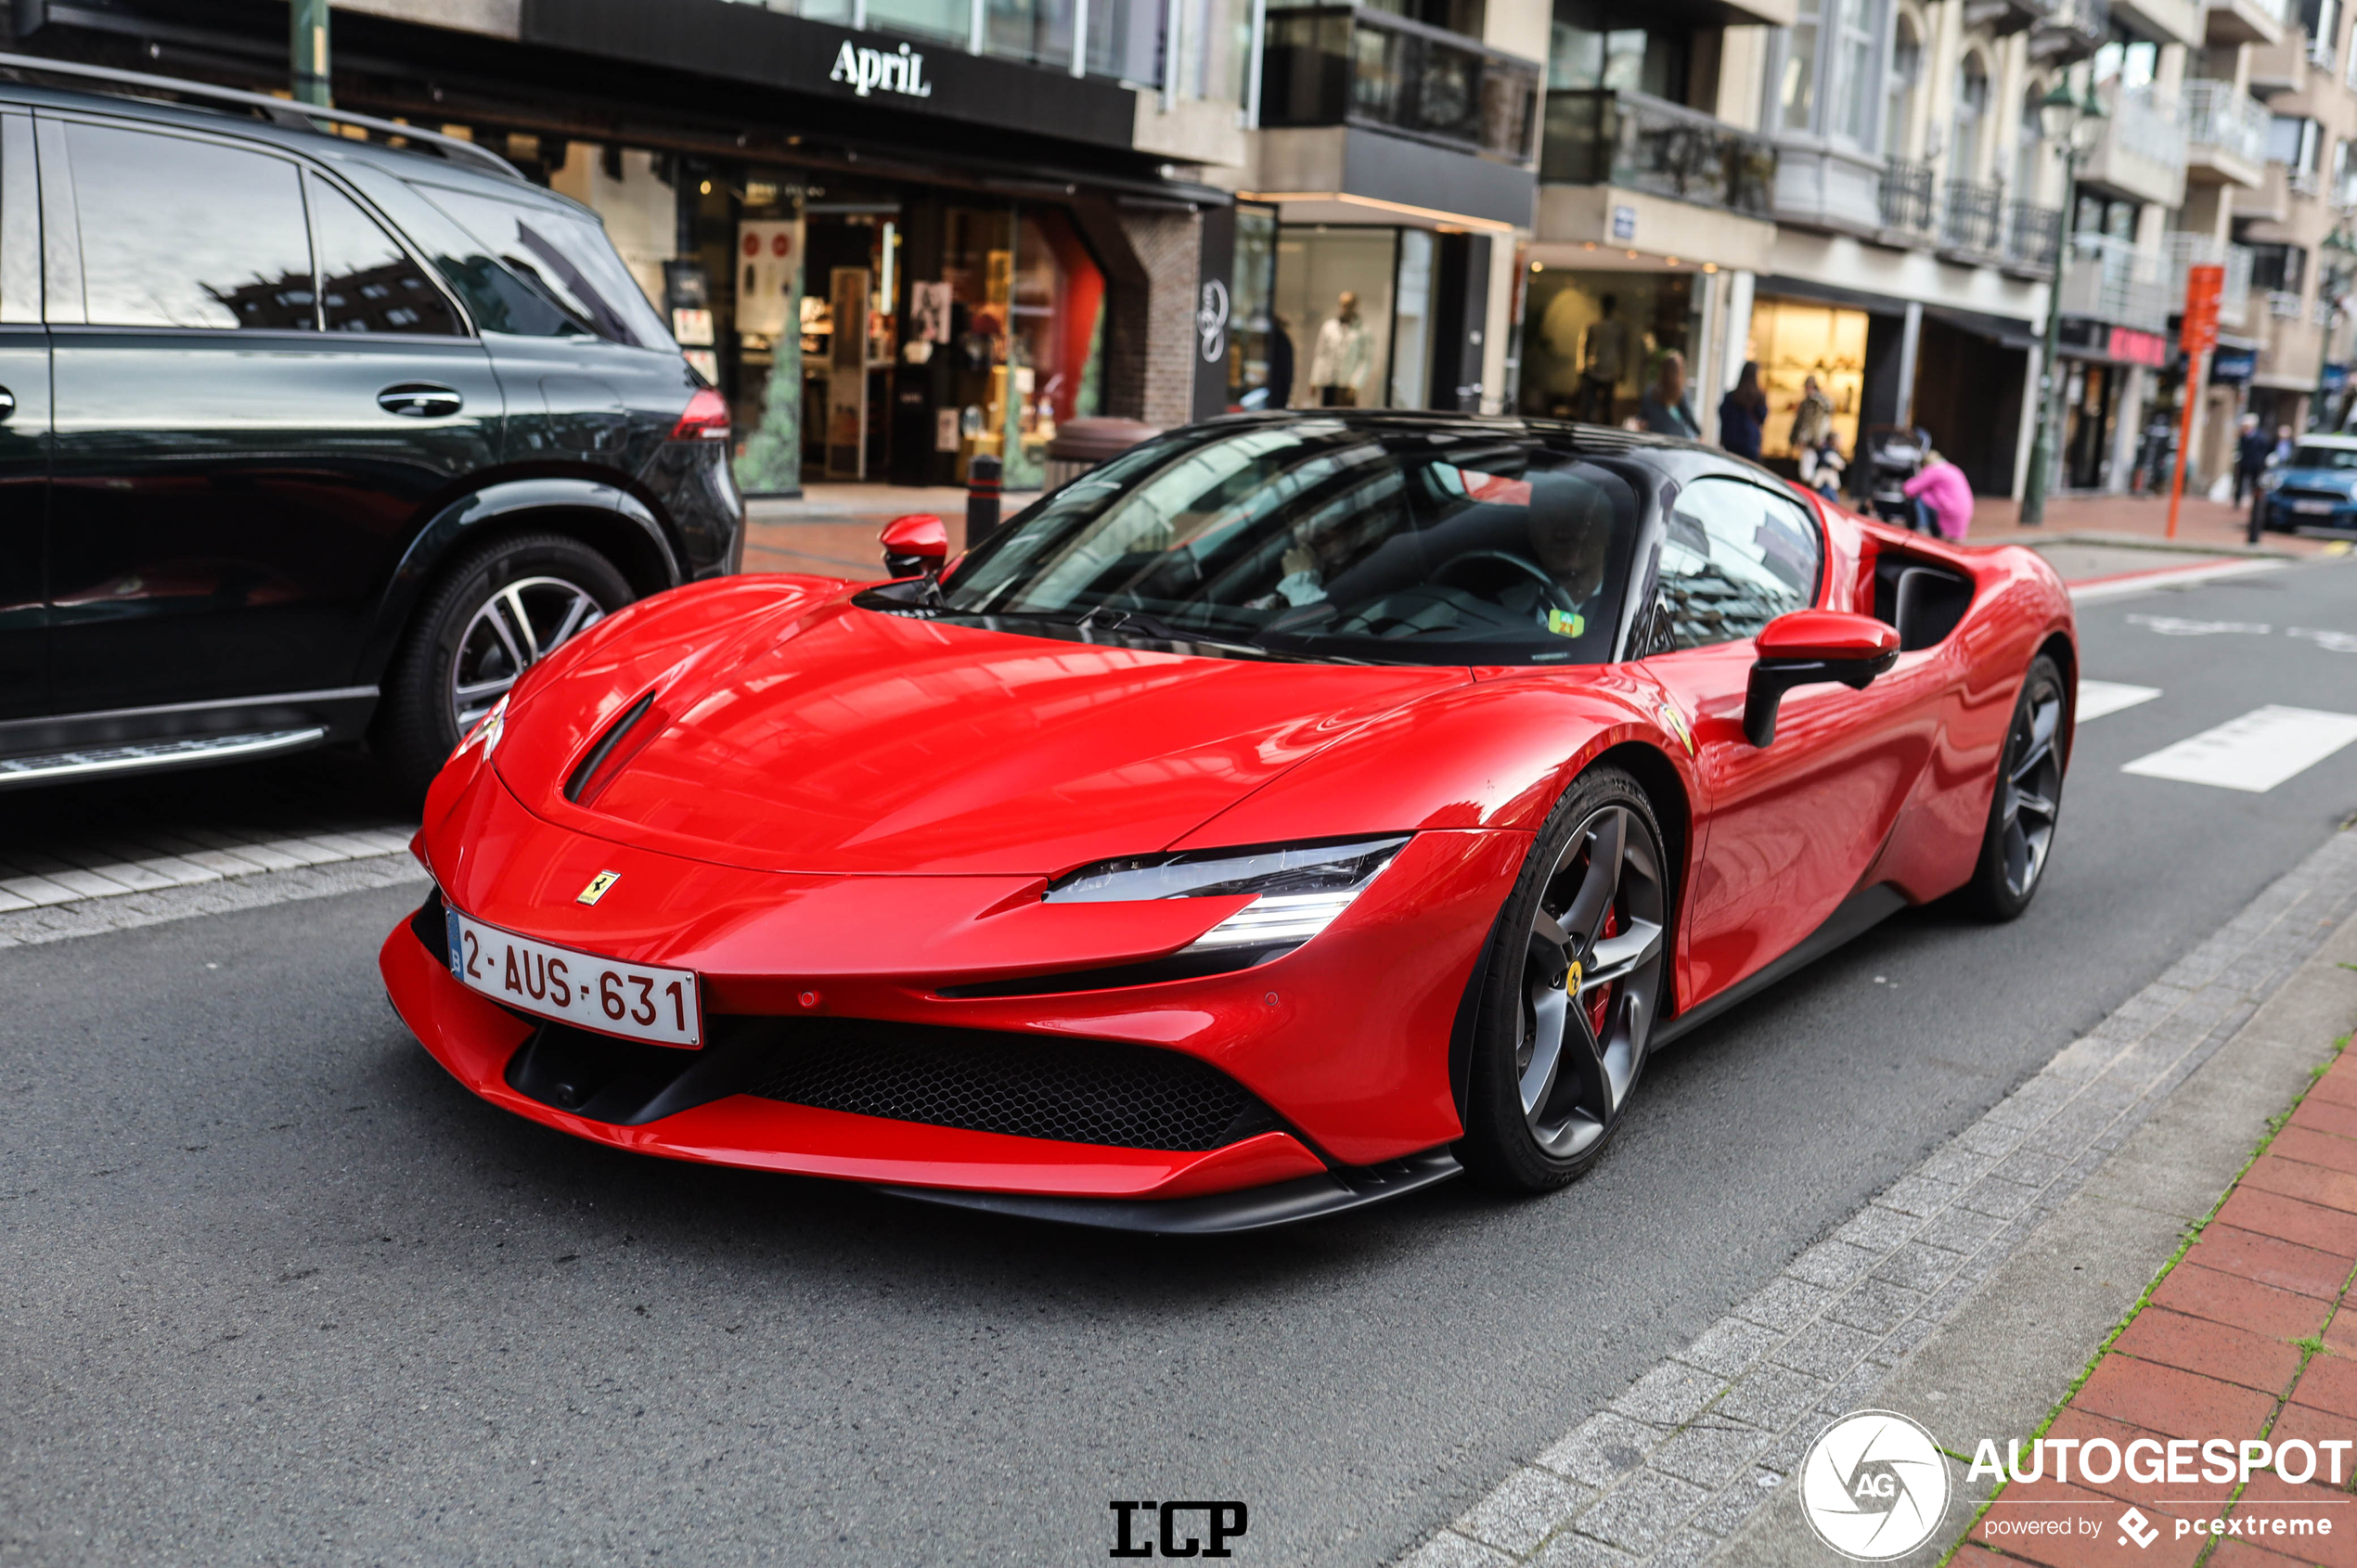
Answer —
1808 648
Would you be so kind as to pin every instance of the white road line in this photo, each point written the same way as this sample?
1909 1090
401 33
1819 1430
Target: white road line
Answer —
2254 753
2165 577
2098 698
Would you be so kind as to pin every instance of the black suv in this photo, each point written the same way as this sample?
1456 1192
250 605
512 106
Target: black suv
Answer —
305 437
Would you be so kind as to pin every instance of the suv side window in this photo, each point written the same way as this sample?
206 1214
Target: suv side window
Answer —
367 281
183 233
1737 555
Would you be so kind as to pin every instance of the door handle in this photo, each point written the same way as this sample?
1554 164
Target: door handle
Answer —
7 403
420 400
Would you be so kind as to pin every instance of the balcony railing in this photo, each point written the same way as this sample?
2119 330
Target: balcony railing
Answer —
2320 54
1340 65
2032 234
2304 182
2111 281
2143 140
1595 135
1906 196
1973 217
2283 305
2220 117
2186 249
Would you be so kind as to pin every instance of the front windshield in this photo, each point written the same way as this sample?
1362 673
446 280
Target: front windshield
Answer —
1320 539
2324 457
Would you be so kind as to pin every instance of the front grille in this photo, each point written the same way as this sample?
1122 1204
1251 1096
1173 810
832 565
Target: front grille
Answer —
1124 1095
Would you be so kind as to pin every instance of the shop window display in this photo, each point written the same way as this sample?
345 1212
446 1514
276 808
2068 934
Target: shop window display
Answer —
1593 339
1794 340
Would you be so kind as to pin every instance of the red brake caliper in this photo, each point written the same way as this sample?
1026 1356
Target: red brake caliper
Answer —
1602 1003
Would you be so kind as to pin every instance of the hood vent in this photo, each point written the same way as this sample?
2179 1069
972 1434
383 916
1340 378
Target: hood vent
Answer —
607 756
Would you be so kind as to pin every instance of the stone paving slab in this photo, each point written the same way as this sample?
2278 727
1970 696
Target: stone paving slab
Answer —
1839 1321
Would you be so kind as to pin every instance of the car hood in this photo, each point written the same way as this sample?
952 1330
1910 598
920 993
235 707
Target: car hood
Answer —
2338 480
832 739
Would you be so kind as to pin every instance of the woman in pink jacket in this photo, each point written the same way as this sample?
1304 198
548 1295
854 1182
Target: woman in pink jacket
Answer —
1942 496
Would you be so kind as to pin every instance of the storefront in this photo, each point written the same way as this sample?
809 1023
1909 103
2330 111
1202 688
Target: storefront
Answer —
892 253
2108 376
1794 341
1592 341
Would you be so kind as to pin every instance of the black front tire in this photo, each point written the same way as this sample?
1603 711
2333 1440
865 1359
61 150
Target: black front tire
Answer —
2027 802
1572 986
519 597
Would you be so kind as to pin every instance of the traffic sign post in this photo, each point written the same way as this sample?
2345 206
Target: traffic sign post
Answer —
2198 336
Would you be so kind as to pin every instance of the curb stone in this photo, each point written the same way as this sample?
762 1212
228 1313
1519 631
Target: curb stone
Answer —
92 917
1692 1463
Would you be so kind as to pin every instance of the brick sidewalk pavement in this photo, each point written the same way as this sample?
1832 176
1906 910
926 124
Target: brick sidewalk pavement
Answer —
2248 1335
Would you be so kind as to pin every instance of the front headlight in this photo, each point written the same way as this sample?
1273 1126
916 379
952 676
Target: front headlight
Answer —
1298 890
2271 479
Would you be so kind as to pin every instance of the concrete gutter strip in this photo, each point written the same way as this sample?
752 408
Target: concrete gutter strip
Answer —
1972 1291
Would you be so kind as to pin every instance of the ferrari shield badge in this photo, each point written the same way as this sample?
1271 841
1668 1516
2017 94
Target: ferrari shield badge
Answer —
1676 723
597 885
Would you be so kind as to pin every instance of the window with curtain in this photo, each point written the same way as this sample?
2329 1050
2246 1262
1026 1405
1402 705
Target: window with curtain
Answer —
1972 108
1906 69
1854 57
1796 88
2029 146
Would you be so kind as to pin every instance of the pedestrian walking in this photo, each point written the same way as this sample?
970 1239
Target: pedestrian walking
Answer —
1279 364
1665 408
1812 422
2251 451
1743 413
1943 498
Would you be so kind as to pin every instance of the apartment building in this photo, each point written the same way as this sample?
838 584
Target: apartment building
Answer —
2292 252
1861 192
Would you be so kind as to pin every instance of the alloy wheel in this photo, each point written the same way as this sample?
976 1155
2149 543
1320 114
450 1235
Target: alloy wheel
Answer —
520 625
2031 788
1591 975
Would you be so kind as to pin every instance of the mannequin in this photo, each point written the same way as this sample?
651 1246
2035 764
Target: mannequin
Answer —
1345 355
1603 354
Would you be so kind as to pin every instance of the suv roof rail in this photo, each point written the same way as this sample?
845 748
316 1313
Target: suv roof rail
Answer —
279 111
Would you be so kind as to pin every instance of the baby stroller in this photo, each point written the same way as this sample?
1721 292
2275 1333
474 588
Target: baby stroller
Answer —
1894 453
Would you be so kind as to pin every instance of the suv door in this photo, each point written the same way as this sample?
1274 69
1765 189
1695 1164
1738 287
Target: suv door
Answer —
24 430
259 395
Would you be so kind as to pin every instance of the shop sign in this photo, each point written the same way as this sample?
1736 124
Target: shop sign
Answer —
2234 367
2138 348
2336 377
894 70
1211 322
1624 223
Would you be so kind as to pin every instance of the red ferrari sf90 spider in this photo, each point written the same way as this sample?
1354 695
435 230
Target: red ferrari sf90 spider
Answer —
1291 813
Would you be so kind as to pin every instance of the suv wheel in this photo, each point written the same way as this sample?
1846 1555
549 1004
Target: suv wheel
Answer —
499 609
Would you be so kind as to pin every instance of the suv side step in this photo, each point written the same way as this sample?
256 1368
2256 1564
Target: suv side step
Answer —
154 756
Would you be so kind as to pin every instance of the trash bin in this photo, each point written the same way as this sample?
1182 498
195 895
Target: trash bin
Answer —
1081 444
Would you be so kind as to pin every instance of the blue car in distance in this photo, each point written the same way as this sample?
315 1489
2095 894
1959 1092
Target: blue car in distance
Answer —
2316 489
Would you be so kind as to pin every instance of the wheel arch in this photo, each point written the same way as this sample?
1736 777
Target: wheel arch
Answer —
611 520
2065 654
1666 790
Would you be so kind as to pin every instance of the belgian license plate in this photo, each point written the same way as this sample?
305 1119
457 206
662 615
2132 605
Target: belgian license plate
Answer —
636 1001
2311 508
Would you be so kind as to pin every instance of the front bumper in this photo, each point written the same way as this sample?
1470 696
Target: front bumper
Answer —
1342 1045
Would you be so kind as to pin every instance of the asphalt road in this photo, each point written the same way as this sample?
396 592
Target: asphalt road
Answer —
275 1291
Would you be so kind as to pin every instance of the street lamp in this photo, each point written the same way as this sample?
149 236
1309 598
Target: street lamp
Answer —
2329 293
2069 123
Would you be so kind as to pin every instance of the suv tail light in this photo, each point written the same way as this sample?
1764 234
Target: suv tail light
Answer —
706 419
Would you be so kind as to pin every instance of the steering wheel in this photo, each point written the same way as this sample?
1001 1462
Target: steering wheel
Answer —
1555 593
